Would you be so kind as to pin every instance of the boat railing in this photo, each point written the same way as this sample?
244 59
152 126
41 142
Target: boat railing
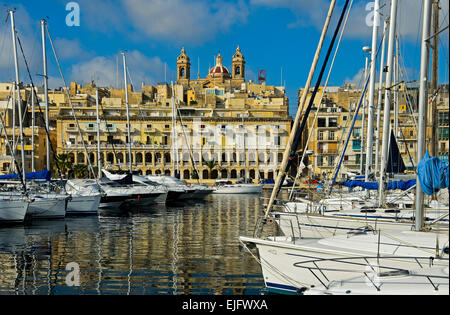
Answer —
371 267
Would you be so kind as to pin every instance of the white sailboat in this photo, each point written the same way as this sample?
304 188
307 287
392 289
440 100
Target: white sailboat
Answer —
290 264
226 187
13 209
148 192
177 189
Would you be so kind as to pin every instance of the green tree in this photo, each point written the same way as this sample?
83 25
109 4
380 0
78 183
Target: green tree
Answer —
64 163
80 171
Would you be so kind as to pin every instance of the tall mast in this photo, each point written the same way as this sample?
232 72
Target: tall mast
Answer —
174 173
361 160
387 101
302 101
14 118
32 128
434 80
99 160
380 97
423 96
370 117
128 112
396 77
19 98
44 56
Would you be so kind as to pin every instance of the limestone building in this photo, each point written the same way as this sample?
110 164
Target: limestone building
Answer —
226 126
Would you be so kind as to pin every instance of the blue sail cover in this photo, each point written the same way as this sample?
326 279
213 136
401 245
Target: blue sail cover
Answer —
398 184
45 174
433 174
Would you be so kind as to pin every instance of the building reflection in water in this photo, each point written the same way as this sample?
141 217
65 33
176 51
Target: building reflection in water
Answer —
186 249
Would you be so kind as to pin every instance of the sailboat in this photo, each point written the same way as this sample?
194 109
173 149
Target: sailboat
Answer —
295 264
44 204
140 190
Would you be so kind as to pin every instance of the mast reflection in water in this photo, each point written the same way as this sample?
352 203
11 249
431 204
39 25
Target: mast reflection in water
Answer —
185 249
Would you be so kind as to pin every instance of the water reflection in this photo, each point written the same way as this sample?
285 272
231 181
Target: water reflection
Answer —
179 249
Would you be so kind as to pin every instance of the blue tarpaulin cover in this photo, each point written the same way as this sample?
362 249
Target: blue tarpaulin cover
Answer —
45 174
398 184
433 174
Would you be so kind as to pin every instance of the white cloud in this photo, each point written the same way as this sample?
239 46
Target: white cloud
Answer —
179 21
184 21
69 49
308 13
108 71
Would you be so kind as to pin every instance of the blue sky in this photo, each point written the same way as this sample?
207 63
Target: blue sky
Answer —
272 34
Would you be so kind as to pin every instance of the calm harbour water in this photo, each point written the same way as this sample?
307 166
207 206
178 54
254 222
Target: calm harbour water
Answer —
179 249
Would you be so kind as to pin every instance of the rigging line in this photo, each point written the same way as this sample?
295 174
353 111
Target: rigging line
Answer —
297 137
321 98
348 138
80 132
40 110
188 145
355 117
8 144
109 133
407 149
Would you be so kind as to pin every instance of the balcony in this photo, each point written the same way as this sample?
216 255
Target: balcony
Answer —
327 151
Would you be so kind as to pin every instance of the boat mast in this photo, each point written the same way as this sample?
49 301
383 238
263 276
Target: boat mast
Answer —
434 80
174 172
302 102
380 97
396 76
369 148
130 164
44 56
32 128
19 98
387 101
99 160
361 154
423 96
245 153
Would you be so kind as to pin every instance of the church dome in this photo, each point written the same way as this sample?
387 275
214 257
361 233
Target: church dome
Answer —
219 70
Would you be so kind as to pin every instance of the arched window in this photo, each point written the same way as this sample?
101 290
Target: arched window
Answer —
119 158
233 174
182 72
186 174
138 158
224 173
148 157
110 158
80 158
205 174
238 70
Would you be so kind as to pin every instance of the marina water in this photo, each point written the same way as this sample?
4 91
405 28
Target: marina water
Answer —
184 248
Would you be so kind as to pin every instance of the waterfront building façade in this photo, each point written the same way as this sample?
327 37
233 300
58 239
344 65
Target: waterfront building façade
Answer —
226 126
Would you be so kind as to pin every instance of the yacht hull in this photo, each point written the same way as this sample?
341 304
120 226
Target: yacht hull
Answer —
238 189
289 265
78 204
47 208
13 211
